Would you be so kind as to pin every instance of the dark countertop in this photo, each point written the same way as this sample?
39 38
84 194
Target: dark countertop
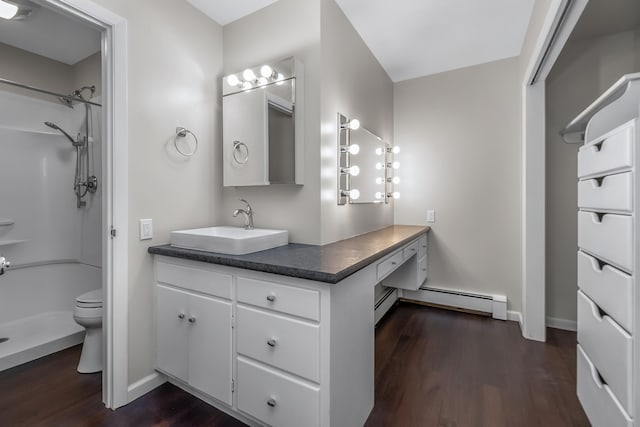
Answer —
327 263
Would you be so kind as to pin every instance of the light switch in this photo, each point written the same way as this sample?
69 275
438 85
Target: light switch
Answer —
431 215
146 229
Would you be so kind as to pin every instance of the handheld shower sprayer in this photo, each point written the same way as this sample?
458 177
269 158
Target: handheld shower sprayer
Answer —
75 142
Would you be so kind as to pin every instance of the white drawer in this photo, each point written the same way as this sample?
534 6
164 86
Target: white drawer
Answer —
609 347
283 342
599 403
196 279
610 193
422 271
611 154
388 265
275 398
422 250
286 299
608 287
609 238
411 249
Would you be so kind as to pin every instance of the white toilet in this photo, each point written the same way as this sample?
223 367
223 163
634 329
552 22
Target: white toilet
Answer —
88 313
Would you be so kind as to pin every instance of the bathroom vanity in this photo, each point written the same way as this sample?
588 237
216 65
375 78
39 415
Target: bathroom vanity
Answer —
284 336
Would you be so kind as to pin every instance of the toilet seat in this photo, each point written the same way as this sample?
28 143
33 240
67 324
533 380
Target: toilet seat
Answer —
91 299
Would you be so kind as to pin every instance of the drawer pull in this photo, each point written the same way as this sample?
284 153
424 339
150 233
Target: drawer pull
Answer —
413 249
272 403
271 298
192 319
394 263
424 246
271 342
181 316
424 269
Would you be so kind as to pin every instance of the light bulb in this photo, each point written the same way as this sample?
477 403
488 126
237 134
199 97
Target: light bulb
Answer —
395 195
396 180
379 180
232 80
266 71
354 170
395 165
354 194
379 195
7 10
354 149
262 81
379 166
246 86
248 74
379 151
395 150
279 79
354 124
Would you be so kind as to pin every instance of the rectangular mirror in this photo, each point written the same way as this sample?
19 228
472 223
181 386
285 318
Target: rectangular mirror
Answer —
262 125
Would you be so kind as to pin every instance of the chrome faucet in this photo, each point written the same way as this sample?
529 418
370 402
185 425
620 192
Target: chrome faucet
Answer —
4 265
248 215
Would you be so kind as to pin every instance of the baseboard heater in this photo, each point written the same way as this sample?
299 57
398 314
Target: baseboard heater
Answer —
384 303
491 305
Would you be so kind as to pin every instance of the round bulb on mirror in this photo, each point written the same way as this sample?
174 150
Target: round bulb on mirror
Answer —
279 79
379 166
354 170
246 86
354 194
379 195
266 71
354 124
354 149
379 181
232 80
396 180
395 195
379 151
262 81
248 74
395 165
395 150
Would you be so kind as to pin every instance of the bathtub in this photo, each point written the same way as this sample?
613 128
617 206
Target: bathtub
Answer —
36 309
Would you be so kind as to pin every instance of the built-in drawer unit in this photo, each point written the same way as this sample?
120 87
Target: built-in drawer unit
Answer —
411 250
289 344
608 236
195 279
609 193
608 287
597 399
609 347
275 398
612 153
274 296
422 248
389 264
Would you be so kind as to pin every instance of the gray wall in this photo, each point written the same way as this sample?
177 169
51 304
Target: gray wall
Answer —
460 133
584 70
354 84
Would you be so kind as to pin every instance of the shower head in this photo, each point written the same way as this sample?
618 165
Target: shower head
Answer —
56 127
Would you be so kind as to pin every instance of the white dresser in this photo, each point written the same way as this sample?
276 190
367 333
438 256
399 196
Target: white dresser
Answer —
608 249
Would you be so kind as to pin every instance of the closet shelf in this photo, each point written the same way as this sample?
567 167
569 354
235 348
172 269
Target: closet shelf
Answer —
5 222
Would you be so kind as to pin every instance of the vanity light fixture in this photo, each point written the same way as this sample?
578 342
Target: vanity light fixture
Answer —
266 71
394 150
8 10
379 151
380 181
351 170
249 75
351 149
353 125
395 195
394 165
353 194
256 77
232 80
395 180
379 166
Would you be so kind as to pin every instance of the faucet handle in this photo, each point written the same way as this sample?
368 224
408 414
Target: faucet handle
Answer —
4 265
248 205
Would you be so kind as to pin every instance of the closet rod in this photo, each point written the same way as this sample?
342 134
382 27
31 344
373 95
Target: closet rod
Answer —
36 89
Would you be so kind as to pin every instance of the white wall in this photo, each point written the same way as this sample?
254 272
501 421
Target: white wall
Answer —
285 28
175 65
584 70
354 84
460 133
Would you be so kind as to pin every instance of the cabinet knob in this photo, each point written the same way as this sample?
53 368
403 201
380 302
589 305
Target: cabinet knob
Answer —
272 402
181 316
271 342
413 249
424 269
424 246
271 298
394 263
192 319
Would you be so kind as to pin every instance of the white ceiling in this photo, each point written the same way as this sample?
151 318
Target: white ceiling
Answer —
73 41
226 11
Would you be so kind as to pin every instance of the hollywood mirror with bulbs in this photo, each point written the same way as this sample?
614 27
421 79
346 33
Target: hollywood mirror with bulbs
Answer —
262 125
365 165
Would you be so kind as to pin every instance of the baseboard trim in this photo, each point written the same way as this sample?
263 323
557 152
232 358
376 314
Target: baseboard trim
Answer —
565 324
494 305
514 316
145 385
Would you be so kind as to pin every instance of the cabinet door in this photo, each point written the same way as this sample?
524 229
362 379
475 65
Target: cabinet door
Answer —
172 331
210 346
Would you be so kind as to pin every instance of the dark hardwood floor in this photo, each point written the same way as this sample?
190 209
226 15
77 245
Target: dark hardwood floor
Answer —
433 368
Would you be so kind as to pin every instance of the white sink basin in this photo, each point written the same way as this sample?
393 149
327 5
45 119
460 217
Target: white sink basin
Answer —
229 240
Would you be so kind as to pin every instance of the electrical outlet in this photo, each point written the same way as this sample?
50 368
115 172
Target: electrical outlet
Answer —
146 229
431 215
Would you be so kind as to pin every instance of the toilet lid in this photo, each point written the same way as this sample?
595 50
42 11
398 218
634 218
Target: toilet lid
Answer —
94 298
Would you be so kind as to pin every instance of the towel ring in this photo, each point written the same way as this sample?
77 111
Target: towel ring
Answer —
239 156
182 133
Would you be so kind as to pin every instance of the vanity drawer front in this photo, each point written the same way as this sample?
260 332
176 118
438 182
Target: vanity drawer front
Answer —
275 398
612 192
609 238
422 246
422 271
289 344
286 299
388 265
611 154
196 279
599 403
609 347
411 250
608 287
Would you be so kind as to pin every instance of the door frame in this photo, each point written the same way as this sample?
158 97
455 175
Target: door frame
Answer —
115 193
562 16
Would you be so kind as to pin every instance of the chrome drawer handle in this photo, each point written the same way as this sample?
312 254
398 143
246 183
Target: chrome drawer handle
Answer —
181 316
271 298
192 319
271 342
272 403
